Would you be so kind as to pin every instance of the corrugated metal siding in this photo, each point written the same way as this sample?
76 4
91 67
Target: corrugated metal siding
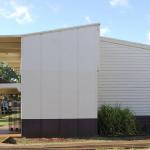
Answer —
124 76
59 78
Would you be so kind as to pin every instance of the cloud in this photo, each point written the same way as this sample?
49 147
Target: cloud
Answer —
88 19
119 2
104 30
19 13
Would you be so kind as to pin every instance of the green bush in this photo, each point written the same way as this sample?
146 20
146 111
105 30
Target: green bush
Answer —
114 121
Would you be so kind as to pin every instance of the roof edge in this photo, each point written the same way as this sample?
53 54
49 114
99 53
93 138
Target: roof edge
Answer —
52 30
125 42
9 36
62 29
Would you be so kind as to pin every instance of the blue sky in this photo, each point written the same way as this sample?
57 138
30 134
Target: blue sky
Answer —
122 19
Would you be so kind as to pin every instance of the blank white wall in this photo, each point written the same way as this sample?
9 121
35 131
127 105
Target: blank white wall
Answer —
87 72
124 75
31 77
62 74
50 81
69 70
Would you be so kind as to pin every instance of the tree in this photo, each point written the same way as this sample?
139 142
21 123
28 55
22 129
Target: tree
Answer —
9 74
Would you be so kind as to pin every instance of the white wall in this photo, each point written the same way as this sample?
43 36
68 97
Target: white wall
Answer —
31 76
59 78
124 75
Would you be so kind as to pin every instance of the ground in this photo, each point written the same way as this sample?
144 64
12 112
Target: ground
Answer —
74 143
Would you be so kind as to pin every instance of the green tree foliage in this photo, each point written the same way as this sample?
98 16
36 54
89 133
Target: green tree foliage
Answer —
7 73
114 121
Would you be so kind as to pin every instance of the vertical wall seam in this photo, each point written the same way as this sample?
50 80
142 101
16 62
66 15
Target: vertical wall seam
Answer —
60 84
21 78
40 38
77 74
98 67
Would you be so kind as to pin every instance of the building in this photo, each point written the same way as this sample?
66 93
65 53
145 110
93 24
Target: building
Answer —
123 77
68 73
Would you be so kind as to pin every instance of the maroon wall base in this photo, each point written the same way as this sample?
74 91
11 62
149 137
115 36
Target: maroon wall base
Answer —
143 119
59 127
144 124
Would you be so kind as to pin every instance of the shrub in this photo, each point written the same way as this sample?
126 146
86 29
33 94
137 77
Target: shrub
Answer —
114 121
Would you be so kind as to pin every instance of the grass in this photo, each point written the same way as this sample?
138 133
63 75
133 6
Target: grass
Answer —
23 140
3 123
2 139
46 142
4 119
125 138
74 141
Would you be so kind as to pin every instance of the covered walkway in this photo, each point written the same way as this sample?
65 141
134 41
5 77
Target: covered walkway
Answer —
7 120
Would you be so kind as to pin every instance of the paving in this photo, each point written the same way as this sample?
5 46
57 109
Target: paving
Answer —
8 134
4 130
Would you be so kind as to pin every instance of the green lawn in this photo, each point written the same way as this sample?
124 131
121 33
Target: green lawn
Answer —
4 119
3 122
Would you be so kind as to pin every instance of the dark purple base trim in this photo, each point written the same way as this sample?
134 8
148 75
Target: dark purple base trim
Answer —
59 127
143 120
144 124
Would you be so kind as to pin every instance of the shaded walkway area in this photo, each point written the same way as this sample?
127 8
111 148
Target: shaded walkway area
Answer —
10 104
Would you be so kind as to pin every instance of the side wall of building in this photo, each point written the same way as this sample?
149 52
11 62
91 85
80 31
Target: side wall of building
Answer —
59 82
124 76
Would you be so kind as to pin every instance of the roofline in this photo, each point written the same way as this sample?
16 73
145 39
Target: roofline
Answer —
125 43
62 29
53 30
9 36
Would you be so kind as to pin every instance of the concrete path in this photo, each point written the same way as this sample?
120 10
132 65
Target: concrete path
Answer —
4 130
10 135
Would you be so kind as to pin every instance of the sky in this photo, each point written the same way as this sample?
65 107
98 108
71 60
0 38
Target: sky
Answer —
121 19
